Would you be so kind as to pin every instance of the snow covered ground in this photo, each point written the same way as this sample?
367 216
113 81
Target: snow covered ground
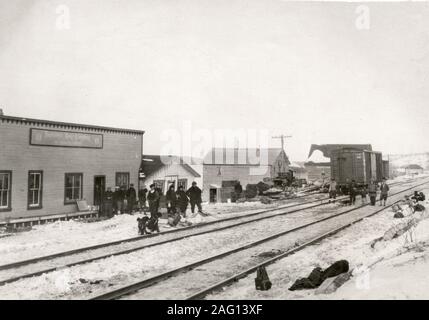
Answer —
67 235
351 244
394 269
117 270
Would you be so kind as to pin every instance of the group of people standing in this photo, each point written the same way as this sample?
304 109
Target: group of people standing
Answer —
364 191
122 200
176 201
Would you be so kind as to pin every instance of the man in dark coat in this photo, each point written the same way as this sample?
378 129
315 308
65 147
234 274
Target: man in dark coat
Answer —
131 197
372 191
384 191
352 192
153 199
238 189
108 203
142 199
182 200
160 194
122 199
194 194
117 200
171 200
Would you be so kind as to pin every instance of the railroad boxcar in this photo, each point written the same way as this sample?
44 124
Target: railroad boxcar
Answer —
349 164
386 172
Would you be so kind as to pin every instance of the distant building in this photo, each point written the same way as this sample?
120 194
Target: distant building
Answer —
299 171
224 167
413 169
319 169
46 167
164 171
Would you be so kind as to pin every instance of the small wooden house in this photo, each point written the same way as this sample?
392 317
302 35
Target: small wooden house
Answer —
224 167
164 171
413 169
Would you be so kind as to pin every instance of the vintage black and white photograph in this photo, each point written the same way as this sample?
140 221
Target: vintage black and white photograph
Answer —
214 150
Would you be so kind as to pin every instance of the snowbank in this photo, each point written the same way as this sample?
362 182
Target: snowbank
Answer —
67 235
395 270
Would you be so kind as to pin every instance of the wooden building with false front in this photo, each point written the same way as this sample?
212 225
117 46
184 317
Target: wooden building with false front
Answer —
46 167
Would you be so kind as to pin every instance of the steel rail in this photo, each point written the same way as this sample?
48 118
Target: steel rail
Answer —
137 238
116 242
221 284
121 252
132 288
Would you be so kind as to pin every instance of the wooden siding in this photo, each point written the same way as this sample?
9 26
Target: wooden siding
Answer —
314 172
230 172
121 153
172 170
361 166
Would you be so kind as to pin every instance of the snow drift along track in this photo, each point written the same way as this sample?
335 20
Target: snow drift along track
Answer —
158 279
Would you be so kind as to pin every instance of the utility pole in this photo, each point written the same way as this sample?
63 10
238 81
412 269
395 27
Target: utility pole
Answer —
282 138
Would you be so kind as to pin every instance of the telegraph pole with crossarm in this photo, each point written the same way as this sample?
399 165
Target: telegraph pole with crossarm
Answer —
282 138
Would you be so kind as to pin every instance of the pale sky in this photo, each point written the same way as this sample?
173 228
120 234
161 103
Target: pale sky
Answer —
289 67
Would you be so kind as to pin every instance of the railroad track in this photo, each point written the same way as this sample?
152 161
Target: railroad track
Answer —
137 238
153 286
173 231
41 265
47 264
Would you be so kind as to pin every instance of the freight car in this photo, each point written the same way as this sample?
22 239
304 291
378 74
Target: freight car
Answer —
349 164
386 172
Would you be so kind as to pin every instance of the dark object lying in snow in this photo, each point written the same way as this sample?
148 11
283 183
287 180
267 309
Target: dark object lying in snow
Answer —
262 281
418 196
251 191
398 215
317 276
419 207
261 186
144 224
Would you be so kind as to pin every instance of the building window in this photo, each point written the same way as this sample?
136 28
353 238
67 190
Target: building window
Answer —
35 183
123 179
159 184
182 183
5 190
73 187
171 181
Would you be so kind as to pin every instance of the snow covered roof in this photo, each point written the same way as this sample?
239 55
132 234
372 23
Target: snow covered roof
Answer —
242 156
318 157
414 167
296 165
152 163
328 148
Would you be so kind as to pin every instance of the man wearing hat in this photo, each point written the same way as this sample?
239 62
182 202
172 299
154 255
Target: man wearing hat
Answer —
384 191
131 196
116 199
153 198
194 194
108 203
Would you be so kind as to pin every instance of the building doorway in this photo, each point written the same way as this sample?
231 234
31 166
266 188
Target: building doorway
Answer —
213 195
170 180
99 189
